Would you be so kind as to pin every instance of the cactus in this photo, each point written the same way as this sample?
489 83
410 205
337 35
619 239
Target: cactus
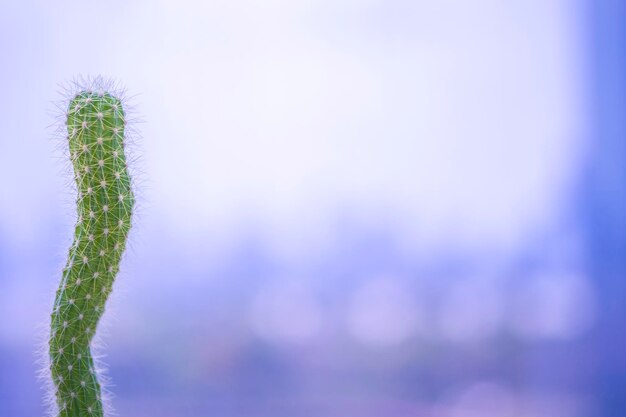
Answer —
96 124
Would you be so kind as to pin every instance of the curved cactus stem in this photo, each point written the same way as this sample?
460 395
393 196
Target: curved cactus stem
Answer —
95 127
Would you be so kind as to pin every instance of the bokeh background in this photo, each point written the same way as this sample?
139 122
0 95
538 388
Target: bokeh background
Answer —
356 208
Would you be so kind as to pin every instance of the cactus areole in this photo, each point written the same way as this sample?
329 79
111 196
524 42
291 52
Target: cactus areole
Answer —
95 131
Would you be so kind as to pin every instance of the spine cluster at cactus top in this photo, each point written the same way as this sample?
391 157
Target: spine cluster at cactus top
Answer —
95 128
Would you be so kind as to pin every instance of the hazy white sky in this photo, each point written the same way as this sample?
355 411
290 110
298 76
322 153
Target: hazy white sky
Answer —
457 120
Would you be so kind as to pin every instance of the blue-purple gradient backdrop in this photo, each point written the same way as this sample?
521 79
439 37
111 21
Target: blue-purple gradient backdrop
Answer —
356 208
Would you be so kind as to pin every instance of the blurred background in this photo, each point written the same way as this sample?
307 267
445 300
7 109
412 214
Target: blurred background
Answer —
357 208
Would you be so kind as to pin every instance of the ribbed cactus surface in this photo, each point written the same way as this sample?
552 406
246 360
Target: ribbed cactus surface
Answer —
95 130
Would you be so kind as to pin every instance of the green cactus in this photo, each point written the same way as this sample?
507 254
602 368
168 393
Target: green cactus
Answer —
96 124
